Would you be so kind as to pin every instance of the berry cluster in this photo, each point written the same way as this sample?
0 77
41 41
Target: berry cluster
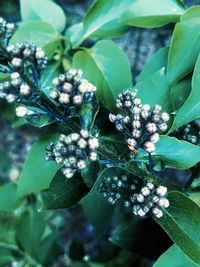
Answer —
6 29
71 89
73 151
27 55
139 123
143 200
15 89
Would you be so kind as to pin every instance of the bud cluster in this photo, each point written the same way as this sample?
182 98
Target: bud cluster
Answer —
128 190
118 188
189 136
72 90
73 151
6 29
15 89
27 54
140 124
150 200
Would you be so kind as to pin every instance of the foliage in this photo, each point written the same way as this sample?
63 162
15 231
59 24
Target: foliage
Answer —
170 80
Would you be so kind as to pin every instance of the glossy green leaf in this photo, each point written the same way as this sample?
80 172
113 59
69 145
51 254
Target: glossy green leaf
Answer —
45 10
155 90
174 257
37 172
52 71
90 173
107 67
184 48
30 230
179 94
144 13
190 110
94 204
181 221
176 154
155 63
8 197
103 16
40 120
64 193
138 235
109 18
41 33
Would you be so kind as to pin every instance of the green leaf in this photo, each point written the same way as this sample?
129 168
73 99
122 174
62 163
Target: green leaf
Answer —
190 110
47 252
138 235
144 13
4 77
30 230
8 196
37 172
179 94
176 154
94 204
154 90
52 71
41 33
174 257
156 62
184 48
107 67
110 18
40 120
181 221
64 193
6 256
102 19
90 173
45 10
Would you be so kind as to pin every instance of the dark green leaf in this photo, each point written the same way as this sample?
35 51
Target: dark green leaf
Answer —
102 19
94 204
37 172
181 221
174 257
45 10
156 62
40 120
176 154
144 13
64 193
179 93
154 90
184 48
139 235
107 67
90 173
30 230
190 110
47 252
8 197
